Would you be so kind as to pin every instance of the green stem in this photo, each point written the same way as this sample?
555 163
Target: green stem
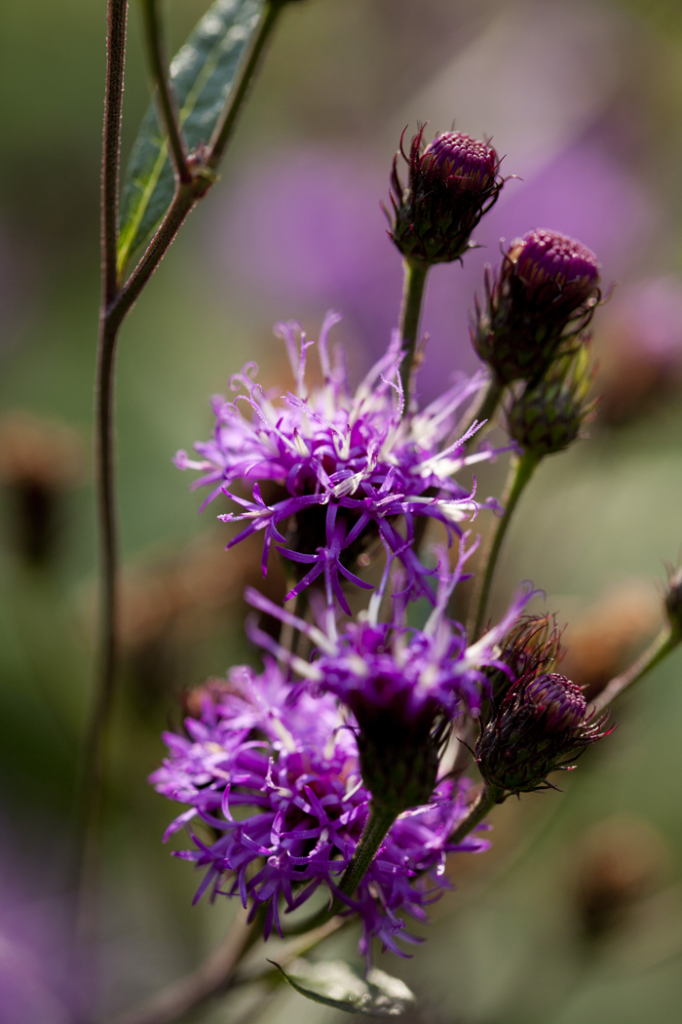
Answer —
665 642
152 31
521 470
414 283
225 126
487 799
379 821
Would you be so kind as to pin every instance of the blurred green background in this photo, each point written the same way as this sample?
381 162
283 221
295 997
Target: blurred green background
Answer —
585 100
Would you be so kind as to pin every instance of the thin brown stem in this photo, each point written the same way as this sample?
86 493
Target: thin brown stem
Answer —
168 108
93 754
111 143
665 642
190 992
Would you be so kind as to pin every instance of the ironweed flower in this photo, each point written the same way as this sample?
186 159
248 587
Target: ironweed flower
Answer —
452 182
286 764
542 298
547 417
538 727
404 686
347 465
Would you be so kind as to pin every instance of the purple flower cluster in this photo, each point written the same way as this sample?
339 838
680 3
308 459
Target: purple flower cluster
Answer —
271 776
345 466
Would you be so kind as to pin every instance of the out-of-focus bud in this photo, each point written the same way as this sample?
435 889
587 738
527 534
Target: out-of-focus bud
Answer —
602 640
452 182
619 861
673 600
539 726
547 417
39 461
542 298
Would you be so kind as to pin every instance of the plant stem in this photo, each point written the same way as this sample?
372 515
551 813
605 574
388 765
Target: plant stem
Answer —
378 823
225 126
182 996
152 31
414 283
488 797
117 301
520 473
665 642
93 753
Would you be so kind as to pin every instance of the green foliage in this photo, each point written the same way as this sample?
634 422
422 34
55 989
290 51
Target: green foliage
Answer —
202 74
335 983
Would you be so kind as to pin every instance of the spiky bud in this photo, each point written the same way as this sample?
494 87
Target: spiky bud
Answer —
548 416
452 182
532 647
539 726
541 299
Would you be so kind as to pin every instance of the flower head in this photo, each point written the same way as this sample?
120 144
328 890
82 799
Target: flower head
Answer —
404 686
539 726
543 297
341 468
452 182
289 764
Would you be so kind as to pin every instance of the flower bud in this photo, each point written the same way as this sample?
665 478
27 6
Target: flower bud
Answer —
452 182
673 600
543 296
538 727
533 646
547 417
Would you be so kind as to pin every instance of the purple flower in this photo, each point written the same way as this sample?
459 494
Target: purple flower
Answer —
345 466
289 762
403 686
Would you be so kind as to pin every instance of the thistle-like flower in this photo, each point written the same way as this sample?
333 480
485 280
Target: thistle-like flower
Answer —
539 726
287 765
548 416
403 686
542 298
347 466
452 182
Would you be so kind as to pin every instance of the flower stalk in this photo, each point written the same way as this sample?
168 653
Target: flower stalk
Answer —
666 641
414 287
521 470
379 822
117 300
486 800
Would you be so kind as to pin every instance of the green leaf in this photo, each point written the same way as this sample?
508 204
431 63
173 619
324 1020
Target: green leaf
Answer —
335 983
202 74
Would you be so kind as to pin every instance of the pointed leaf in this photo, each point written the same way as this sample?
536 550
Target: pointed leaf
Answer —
202 74
335 983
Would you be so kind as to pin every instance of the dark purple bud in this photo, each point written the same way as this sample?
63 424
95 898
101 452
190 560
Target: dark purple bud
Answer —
548 416
460 162
452 182
542 298
561 701
538 727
